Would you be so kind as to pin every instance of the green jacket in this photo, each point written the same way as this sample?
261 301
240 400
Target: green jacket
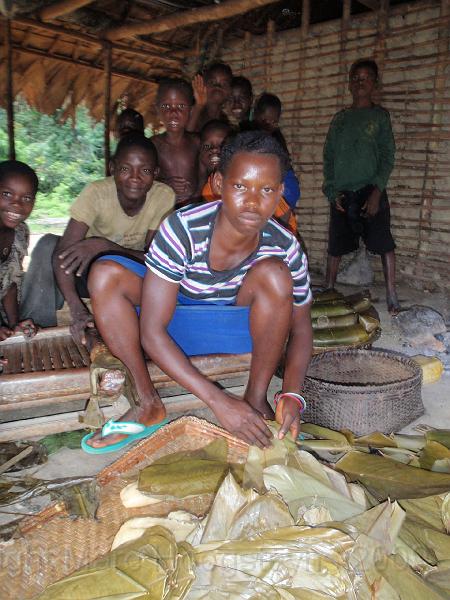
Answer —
359 150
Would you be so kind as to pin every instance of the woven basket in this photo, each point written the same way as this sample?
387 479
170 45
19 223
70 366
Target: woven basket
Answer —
52 545
363 390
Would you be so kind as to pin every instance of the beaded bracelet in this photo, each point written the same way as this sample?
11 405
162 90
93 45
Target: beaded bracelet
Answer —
297 397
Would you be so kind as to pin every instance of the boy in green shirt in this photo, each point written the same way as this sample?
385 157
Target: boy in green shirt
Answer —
358 160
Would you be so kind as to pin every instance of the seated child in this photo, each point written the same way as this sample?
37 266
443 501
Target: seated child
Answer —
129 121
212 136
240 102
18 187
211 91
177 148
220 277
116 214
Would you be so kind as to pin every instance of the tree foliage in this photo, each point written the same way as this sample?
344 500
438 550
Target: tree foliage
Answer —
66 156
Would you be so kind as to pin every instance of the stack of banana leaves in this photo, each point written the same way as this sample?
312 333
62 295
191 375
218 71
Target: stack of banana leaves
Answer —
342 321
287 525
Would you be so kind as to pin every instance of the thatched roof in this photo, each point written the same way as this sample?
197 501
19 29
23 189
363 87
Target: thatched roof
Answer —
59 47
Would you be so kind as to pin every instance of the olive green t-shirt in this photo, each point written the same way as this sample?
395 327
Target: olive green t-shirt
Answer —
359 150
98 207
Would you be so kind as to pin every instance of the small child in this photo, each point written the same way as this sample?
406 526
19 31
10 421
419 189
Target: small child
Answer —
211 91
358 158
18 187
212 137
177 148
267 114
129 121
116 214
240 102
221 277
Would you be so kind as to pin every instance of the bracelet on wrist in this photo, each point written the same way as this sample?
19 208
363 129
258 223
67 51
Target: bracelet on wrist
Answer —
297 397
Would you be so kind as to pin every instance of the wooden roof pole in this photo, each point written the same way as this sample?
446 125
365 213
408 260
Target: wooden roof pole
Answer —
186 17
107 107
61 8
9 90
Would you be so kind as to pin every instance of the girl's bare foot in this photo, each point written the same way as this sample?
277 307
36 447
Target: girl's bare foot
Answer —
148 413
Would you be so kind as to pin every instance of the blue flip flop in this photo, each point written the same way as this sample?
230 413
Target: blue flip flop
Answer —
134 431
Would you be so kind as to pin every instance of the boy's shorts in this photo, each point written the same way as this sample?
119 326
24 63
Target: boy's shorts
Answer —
376 233
199 326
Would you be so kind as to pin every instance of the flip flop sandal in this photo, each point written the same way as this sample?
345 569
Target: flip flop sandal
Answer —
134 432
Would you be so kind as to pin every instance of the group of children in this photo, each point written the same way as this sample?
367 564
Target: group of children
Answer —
217 275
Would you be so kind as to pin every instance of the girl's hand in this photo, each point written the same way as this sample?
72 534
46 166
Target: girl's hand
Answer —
288 414
199 87
5 332
26 327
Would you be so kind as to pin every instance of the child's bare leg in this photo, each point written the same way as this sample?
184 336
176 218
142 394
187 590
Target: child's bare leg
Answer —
267 289
114 293
388 261
332 271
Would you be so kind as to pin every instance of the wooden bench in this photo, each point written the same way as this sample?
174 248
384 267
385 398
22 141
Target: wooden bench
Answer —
46 384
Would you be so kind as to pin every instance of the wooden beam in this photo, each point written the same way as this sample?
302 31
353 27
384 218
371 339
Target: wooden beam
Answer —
107 107
373 4
9 91
146 49
186 17
61 8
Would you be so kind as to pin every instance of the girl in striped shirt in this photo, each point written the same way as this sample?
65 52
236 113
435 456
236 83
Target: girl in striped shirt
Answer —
222 277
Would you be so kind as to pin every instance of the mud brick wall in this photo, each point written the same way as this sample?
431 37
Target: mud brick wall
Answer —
308 71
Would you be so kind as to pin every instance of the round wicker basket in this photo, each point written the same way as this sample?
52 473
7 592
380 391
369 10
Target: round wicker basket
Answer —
363 390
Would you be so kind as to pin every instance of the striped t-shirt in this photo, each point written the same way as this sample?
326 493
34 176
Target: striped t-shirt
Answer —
179 252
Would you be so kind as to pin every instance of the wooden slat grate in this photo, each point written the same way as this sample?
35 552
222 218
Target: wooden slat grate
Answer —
47 354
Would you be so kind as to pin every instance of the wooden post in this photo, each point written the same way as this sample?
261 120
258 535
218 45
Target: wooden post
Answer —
9 90
107 98
346 13
269 49
306 17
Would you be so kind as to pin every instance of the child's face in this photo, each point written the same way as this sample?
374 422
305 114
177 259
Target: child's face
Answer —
174 109
127 125
210 148
17 196
239 103
362 83
218 86
251 189
134 171
268 119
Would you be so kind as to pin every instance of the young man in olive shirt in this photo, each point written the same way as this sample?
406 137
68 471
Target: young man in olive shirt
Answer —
358 160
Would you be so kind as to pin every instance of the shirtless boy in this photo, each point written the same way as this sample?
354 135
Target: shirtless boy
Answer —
177 148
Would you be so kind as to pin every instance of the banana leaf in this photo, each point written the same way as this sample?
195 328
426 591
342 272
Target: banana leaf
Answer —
327 296
405 582
355 334
439 435
445 512
362 304
440 577
369 323
333 309
131 497
435 457
291 558
323 432
432 545
324 322
153 567
386 478
430 510
180 523
302 491
239 513
187 474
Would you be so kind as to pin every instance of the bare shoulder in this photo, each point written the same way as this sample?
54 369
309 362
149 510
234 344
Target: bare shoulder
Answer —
193 138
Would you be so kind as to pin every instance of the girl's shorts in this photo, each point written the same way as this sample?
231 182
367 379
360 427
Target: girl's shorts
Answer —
200 326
